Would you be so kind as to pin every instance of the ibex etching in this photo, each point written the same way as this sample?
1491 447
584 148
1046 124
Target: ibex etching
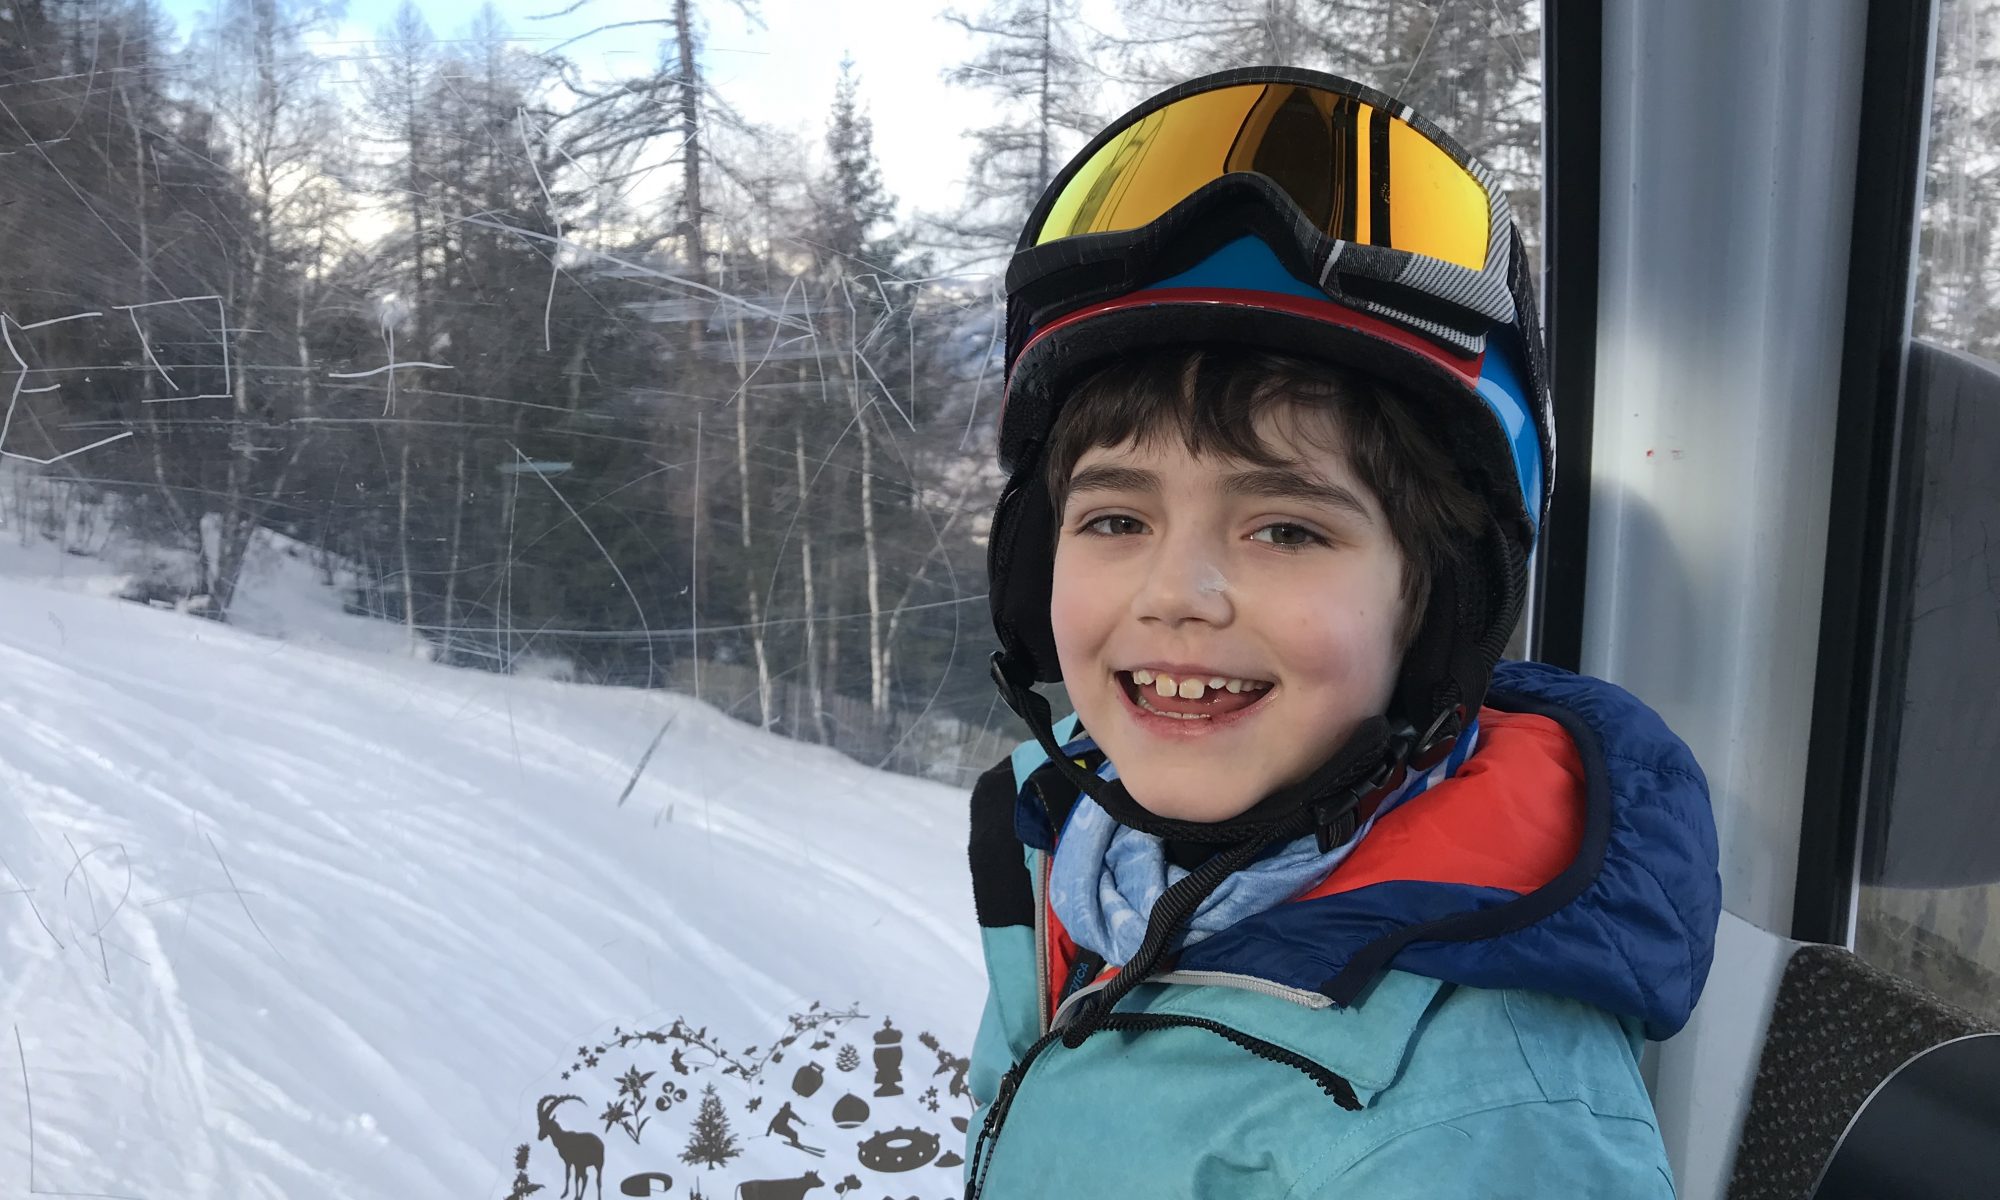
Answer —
580 1151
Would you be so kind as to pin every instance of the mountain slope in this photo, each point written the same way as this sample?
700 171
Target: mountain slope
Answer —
291 920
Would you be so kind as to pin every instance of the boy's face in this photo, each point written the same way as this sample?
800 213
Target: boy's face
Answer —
1190 570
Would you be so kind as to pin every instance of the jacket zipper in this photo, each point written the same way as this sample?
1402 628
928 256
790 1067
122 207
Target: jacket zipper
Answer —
996 1112
1333 1084
1042 1016
1330 1082
1248 983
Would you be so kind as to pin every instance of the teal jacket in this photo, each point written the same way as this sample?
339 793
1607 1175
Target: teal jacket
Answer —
1425 1024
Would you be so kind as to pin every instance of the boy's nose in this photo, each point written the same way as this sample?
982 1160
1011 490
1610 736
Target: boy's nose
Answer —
1182 586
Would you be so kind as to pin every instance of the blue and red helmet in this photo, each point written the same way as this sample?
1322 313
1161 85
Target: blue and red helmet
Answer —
1297 212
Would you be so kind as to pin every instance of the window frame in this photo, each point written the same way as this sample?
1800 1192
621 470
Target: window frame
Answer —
1865 589
1572 169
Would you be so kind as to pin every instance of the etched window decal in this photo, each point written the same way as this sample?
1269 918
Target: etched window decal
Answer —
681 1111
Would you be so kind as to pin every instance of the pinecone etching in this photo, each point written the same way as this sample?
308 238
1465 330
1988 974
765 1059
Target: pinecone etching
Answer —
848 1059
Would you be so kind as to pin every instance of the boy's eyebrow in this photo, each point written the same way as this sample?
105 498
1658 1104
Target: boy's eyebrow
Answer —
1107 478
1271 483
1282 483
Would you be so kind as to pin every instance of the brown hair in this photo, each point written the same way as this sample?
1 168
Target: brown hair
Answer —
1211 398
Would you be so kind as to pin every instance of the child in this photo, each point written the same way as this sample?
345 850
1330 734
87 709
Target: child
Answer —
1312 896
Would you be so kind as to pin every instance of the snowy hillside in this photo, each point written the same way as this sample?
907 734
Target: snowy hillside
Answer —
298 918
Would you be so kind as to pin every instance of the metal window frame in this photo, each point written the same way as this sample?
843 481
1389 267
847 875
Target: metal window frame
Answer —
1865 589
1572 134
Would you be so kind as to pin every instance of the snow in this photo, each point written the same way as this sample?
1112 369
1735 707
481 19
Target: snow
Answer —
288 912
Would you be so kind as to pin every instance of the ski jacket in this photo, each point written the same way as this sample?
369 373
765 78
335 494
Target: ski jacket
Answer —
1456 1011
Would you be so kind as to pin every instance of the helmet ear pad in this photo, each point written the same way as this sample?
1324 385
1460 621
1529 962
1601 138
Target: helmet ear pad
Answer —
1020 569
1474 603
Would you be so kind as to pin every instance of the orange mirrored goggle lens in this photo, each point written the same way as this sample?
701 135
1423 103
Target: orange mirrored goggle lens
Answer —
1358 173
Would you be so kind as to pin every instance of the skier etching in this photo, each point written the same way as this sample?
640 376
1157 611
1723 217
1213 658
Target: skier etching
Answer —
782 1126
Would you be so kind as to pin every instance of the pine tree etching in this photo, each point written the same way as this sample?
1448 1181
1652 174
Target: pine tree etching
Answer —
523 1186
710 1143
848 1059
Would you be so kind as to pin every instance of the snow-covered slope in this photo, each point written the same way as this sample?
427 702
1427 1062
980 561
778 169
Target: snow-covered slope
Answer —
285 918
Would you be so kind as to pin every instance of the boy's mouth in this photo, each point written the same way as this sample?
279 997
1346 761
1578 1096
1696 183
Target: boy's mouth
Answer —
1195 698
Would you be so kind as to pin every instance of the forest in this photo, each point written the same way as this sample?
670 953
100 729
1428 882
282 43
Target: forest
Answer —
582 371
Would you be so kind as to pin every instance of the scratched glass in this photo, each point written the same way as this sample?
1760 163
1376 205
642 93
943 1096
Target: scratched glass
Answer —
1928 916
492 580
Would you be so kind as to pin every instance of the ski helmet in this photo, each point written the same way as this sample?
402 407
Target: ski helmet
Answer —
1297 212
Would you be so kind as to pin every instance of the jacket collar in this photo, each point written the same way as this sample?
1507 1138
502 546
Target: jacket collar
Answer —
1623 916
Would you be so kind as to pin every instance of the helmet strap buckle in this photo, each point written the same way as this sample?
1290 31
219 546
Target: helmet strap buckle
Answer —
1437 742
1017 688
1335 820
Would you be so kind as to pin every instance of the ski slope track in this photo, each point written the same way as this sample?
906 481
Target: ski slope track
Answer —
291 918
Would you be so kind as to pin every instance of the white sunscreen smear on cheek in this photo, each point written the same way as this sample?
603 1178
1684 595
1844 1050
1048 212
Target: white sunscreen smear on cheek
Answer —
1212 583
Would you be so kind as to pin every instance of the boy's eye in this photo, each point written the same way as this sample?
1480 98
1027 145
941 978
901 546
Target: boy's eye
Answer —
1284 534
1115 525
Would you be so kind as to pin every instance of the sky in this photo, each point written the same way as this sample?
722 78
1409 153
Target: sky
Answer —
780 73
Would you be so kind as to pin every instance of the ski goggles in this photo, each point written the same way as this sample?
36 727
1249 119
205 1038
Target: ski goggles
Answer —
1358 171
1386 213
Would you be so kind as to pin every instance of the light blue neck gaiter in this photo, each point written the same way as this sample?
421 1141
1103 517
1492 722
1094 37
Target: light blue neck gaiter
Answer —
1107 877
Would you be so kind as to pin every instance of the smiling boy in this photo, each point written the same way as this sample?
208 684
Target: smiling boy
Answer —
1311 896
1254 551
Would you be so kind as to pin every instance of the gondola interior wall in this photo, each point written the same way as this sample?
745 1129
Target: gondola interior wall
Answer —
1724 248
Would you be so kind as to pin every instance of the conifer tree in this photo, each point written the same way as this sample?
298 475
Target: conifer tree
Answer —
865 306
1039 78
853 202
710 1143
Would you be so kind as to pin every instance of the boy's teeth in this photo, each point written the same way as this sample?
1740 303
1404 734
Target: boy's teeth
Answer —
1193 689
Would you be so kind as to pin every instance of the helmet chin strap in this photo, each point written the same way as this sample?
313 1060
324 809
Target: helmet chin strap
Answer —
1331 802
